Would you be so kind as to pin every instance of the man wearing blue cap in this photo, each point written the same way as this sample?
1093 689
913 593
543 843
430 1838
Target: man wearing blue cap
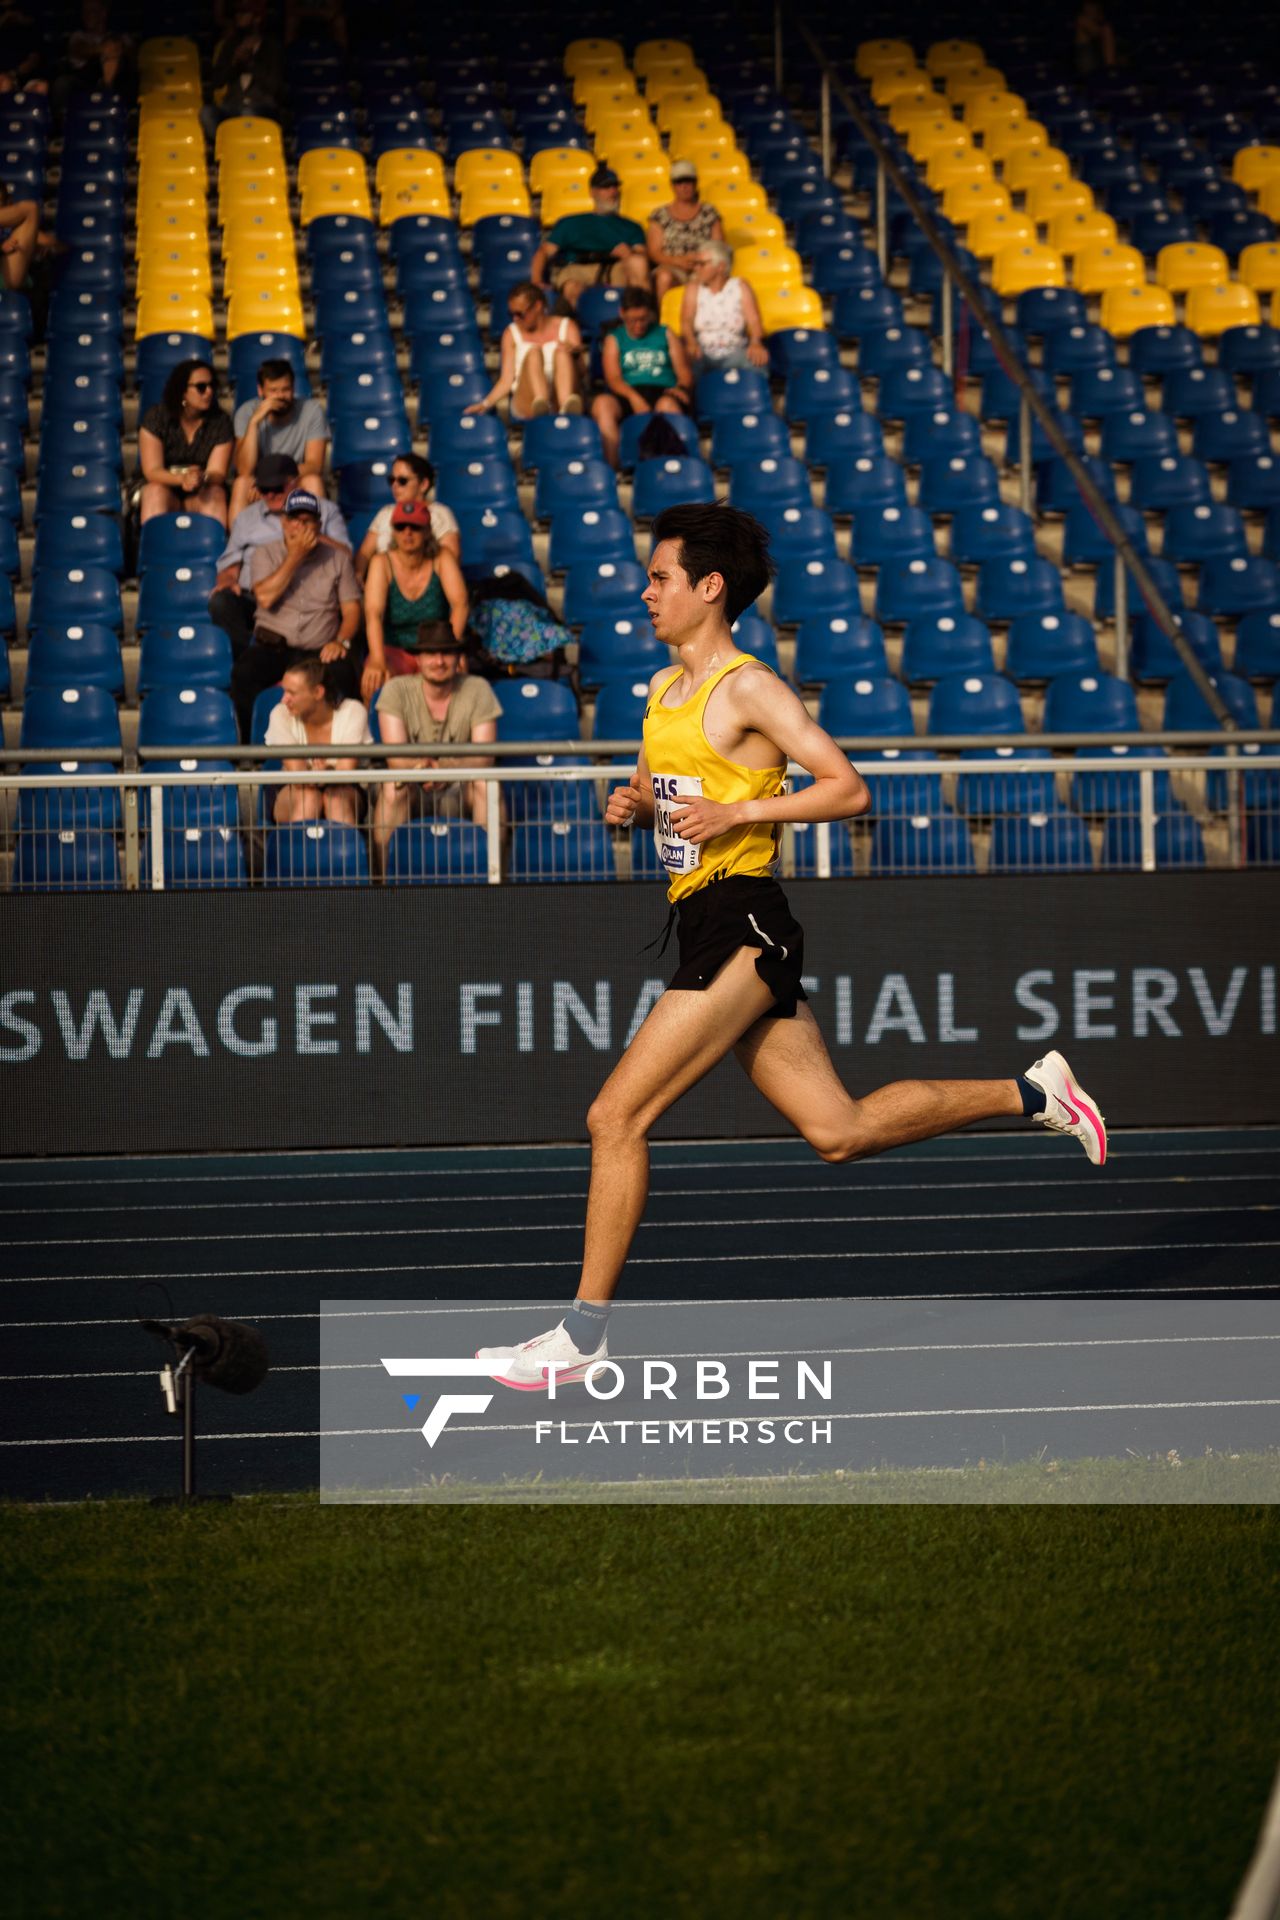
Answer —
308 602
600 248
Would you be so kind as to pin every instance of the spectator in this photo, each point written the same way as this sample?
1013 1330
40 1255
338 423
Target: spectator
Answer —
99 57
22 53
678 229
184 446
411 592
438 706
719 317
248 69
412 479
307 716
231 604
645 367
539 358
1094 40
593 249
308 601
278 422
315 20
20 237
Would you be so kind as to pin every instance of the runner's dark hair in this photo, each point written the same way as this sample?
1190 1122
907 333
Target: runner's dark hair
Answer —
724 540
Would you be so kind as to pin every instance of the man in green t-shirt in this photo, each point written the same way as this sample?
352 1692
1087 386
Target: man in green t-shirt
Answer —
437 706
593 249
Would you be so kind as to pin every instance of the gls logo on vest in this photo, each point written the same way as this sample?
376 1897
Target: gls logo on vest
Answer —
438 1418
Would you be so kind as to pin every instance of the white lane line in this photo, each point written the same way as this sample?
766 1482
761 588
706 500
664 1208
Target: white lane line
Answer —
790 1153
1046 1295
893 1413
835 1188
747 1353
790 1221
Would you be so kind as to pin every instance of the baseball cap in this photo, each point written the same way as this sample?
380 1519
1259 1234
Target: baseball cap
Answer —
684 170
300 501
603 177
413 513
275 470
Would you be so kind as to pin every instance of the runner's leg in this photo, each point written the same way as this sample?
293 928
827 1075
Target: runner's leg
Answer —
682 1039
789 1063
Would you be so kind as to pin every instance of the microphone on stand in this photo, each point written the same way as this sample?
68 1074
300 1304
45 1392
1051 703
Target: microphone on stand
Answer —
225 1353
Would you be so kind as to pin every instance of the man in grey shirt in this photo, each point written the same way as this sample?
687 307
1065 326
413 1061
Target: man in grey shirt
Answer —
308 602
231 604
278 422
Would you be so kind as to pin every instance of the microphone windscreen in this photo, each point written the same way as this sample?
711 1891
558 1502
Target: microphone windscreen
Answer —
238 1362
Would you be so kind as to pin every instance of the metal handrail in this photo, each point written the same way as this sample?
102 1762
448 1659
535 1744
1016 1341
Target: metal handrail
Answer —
1032 402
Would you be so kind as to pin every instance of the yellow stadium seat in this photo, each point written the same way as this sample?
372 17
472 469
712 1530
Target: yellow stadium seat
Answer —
1070 233
250 130
187 231
686 127
733 194
1048 198
415 196
162 102
714 157
947 170
247 194
964 83
1017 268
669 74
1032 166
554 164
179 130
873 55
944 56
1269 198
618 131
1253 166
264 312
399 164
593 82
640 197
336 196
750 226
1014 136
174 310
172 157
257 164
329 163
928 139
970 199
166 46
1211 310
259 226
603 101
174 270
638 164
170 74
790 307
492 196
1126 309
669 313
658 53
1100 267
768 265
257 271
188 204
692 97
896 83
482 164
565 197
589 53
1259 266
991 233
993 107
915 110
1185 264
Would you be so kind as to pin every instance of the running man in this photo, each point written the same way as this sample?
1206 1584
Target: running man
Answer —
719 729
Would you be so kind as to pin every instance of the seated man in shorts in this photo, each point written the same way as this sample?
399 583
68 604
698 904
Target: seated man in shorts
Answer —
437 705
593 249
646 370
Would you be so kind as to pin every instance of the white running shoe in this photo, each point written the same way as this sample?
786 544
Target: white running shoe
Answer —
1069 1108
525 1367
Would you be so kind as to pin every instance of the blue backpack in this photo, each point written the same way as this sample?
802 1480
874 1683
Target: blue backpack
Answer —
516 637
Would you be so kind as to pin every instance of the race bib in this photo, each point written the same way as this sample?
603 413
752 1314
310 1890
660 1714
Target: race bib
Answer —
676 855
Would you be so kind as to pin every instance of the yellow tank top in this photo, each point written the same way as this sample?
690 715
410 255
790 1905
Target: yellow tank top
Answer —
684 764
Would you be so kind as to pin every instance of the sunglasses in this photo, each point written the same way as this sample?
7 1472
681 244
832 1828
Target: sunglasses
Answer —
200 386
401 479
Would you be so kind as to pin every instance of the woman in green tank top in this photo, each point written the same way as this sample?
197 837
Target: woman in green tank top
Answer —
646 370
410 593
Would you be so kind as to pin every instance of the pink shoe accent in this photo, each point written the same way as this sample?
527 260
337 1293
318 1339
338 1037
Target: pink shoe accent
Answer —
1087 1113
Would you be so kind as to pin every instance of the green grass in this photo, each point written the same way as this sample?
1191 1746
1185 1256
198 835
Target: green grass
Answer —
277 1709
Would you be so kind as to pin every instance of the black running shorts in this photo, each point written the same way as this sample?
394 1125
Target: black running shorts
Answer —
742 910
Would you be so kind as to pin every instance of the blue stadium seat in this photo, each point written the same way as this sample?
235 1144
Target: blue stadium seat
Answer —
467 436
1234 435
897 793
748 436
90 393
170 593
1170 480
73 859
890 349
88 594
1179 842
918 843
1000 397
866 481
1085 544
1056 488
580 535
186 716
886 534
1117 789
622 648
1243 584
558 438
906 391
800 533
763 486
75 656
1186 710
350 349
81 540
449 369
916 589
1050 310
187 654
1253 482
1073 349
343 310
426 852
815 390
1190 391
975 703
939 433
1007 589
865 706
598 308
838 645
609 590
1041 646
1209 531
1161 350
1023 789
795 350
805 589
804 849
945 644
1250 350
959 483
493 536
178 539
753 634
991 533
360 438
426 266
1047 842
371 390
578 483
483 483
1257 655
634 425
562 850
75 442
77 718
840 265
669 482
861 312
1090 703
730 392
620 705
1099 391
199 855
1138 435
315 854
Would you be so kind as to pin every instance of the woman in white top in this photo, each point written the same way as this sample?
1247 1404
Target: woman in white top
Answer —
412 478
307 717
540 356
719 316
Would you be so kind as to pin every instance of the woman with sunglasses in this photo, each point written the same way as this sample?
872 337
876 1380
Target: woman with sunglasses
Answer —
412 479
539 364
411 589
184 446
